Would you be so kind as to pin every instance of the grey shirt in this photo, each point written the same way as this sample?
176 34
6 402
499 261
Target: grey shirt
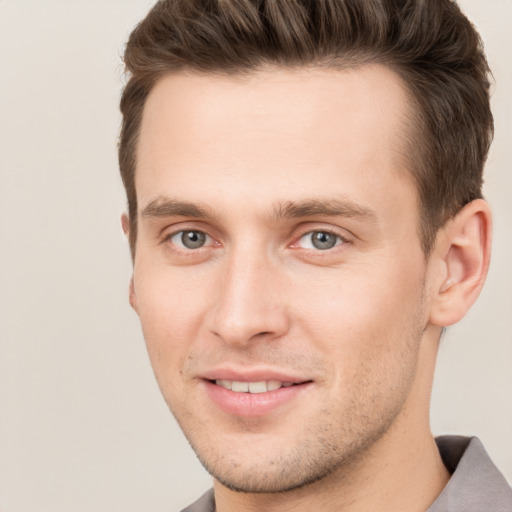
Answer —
476 484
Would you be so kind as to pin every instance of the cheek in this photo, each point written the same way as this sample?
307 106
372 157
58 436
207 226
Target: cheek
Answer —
170 305
369 330
367 309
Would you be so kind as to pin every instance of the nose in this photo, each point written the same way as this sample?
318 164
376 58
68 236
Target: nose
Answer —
251 302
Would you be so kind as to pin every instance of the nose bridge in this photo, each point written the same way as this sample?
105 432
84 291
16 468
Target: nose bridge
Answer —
248 304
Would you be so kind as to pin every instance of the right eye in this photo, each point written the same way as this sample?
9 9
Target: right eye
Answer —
190 239
320 240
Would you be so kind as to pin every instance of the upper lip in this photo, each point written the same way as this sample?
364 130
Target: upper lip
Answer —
253 375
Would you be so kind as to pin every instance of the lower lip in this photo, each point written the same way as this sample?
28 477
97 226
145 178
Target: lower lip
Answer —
252 404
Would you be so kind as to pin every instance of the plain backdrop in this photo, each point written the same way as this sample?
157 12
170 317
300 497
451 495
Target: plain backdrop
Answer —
82 424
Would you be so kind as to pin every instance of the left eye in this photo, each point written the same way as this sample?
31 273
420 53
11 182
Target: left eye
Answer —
190 239
320 240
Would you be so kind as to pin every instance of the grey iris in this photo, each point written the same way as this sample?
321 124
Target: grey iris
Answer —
322 240
193 239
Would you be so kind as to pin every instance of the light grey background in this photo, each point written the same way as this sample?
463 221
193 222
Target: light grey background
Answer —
82 423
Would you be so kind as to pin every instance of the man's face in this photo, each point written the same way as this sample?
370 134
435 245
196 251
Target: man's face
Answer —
278 244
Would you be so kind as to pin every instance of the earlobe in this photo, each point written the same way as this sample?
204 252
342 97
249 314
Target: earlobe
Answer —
133 296
464 255
125 224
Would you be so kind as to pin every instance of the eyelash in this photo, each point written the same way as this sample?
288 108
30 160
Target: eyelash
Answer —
339 240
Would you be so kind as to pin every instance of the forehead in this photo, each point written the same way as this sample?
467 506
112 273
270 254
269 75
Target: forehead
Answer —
277 131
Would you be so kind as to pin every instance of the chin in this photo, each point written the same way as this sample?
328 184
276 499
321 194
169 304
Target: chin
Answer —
274 478
262 464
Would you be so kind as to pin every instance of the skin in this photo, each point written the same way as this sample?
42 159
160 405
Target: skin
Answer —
360 321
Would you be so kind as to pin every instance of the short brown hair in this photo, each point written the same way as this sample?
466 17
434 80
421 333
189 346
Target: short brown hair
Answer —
429 43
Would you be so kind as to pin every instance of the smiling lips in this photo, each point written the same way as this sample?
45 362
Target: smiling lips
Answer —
252 387
253 398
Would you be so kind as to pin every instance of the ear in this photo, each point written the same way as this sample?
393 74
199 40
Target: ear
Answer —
125 224
462 256
132 296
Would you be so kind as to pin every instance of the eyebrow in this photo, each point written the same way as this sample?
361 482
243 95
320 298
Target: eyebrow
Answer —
329 207
163 207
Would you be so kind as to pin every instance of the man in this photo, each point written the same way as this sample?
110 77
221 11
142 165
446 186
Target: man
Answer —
305 217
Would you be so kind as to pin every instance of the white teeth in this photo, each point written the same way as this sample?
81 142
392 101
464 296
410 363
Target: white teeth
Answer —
224 383
240 387
272 385
258 387
252 387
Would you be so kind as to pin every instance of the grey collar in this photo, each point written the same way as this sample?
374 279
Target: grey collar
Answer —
476 484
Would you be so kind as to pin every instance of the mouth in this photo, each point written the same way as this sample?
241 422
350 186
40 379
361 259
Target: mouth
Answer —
263 386
255 397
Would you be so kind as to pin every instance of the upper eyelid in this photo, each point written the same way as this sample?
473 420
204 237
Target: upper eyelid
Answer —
323 230
296 234
171 234
171 230
343 233
334 233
